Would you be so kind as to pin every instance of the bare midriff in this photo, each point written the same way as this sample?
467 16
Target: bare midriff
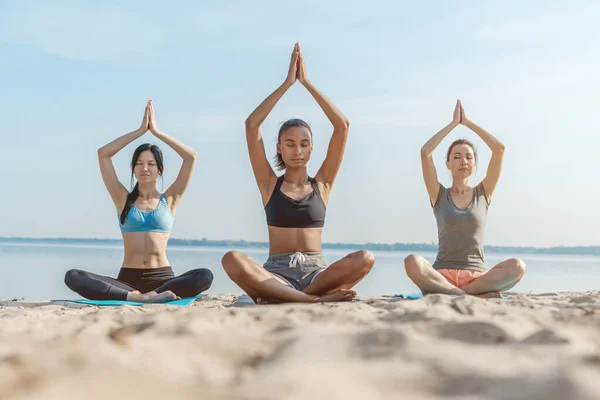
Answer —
145 249
291 240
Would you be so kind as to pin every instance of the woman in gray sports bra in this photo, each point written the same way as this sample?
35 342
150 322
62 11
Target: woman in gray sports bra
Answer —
461 212
295 206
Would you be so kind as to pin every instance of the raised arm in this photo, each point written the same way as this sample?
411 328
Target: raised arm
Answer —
117 191
264 174
337 144
429 172
497 147
175 191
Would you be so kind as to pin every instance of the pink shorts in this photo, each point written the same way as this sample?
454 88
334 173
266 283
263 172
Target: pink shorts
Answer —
460 277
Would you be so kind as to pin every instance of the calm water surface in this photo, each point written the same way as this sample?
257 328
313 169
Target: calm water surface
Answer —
36 271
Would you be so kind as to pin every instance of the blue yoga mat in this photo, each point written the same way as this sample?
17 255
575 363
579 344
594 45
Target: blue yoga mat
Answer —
416 296
410 296
181 302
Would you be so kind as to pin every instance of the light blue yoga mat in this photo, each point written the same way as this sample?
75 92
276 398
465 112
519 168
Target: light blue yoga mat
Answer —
416 296
181 302
410 296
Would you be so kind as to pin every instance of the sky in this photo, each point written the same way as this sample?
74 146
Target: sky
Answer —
76 74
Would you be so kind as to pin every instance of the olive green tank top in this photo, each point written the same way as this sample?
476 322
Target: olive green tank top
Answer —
460 231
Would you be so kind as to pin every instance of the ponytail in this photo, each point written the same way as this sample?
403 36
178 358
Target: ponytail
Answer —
131 198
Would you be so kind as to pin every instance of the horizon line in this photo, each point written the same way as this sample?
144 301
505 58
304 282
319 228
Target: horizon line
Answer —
325 244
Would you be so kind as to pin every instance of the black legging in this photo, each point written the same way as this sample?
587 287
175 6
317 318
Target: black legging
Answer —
99 287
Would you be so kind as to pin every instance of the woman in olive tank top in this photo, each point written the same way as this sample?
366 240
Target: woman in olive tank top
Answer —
461 212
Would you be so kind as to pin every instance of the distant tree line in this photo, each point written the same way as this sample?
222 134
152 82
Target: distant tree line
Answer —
416 247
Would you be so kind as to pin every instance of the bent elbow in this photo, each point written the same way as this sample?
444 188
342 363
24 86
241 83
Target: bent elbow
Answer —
346 123
342 125
250 123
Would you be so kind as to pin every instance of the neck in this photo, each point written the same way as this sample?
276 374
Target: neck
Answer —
146 190
460 185
297 176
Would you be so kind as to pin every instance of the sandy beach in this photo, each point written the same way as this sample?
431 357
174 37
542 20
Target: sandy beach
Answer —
535 346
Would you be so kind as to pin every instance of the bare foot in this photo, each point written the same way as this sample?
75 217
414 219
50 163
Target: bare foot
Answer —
163 297
152 297
489 295
340 295
262 300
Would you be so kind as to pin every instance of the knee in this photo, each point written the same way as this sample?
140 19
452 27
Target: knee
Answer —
411 265
233 263
366 259
204 275
72 277
515 268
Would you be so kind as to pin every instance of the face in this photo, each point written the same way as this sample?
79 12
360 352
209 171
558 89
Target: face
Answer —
146 170
295 146
462 161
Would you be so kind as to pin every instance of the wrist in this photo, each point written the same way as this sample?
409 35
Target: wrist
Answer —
287 84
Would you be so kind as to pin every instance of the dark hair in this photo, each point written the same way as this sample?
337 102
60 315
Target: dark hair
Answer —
290 123
133 195
459 142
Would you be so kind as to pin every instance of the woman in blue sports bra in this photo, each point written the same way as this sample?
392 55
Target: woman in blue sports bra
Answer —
295 205
146 219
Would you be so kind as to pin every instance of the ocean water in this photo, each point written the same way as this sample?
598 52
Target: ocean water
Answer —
36 271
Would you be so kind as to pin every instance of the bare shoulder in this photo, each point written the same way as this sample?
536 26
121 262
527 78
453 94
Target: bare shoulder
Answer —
266 190
483 190
171 201
324 189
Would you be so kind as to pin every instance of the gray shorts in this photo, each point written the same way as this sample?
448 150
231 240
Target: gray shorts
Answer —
297 269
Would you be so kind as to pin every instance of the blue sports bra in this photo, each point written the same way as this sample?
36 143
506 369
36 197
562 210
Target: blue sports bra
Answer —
158 220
